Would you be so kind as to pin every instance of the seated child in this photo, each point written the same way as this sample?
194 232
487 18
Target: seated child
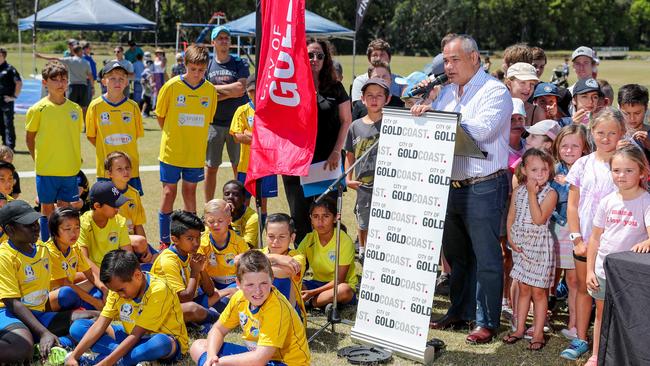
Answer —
149 320
220 245
7 171
273 334
316 247
66 261
24 285
288 265
7 155
103 229
244 218
184 269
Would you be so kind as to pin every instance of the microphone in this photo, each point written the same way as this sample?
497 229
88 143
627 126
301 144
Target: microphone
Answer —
441 79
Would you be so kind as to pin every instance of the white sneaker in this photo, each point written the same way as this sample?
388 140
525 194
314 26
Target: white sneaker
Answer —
506 311
569 334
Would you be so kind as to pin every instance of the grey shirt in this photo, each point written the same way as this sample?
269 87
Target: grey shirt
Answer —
78 70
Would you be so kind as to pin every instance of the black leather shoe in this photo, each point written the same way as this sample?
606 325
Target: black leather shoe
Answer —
447 322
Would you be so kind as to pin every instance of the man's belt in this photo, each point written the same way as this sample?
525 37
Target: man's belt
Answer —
471 181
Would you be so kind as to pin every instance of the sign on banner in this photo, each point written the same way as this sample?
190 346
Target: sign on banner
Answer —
409 202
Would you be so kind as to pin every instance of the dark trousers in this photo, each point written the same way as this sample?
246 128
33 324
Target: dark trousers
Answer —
7 123
471 245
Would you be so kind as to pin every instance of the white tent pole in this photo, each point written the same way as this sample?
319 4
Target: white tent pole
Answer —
178 31
34 38
20 51
354 54
238 45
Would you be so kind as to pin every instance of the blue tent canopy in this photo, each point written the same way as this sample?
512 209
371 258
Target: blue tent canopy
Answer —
315 25
99 15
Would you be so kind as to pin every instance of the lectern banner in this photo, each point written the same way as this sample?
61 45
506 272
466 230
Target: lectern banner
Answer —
409 202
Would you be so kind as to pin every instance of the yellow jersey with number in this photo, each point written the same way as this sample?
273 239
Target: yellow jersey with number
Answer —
158 311
173 268
115 127
274 324
57 149
65 265
132 210
221 257
187 112
321 257
242 121
25 276
100 241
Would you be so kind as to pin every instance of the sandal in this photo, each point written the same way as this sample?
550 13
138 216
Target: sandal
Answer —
536 346
511 339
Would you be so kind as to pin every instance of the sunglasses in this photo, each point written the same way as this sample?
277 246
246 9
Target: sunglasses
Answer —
316 55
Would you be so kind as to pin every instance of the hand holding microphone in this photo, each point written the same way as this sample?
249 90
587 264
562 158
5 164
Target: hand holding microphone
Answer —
428 84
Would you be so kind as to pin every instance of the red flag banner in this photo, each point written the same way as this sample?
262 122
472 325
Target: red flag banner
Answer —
284 133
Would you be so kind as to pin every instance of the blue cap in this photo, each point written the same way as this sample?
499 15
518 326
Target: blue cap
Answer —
219 29
543 89
410 81
436 67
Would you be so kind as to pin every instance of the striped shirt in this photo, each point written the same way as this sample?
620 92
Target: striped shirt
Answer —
485 107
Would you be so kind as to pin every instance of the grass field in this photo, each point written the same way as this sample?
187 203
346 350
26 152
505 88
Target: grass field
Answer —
324 348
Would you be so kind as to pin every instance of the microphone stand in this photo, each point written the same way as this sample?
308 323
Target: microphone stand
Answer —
331 310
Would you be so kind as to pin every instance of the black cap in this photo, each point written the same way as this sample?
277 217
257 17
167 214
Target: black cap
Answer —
18 211
112 65
375 81
104 192
586 86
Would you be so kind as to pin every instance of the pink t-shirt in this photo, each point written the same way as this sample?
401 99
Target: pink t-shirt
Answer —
594 179
625 225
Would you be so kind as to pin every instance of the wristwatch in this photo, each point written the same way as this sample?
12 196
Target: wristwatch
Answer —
574 236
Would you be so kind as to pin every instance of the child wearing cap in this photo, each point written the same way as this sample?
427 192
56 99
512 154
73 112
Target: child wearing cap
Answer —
380 70
102 229
114 122
141 321
547 98
241 128
185 107
363 133
24 284
539 136
586 100
54 122
516 145
521 79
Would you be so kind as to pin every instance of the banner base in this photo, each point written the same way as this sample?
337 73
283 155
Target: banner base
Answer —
425 357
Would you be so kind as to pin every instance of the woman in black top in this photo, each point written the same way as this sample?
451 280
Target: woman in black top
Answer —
334 118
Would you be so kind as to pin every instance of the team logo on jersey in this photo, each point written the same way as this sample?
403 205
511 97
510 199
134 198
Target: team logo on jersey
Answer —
29 273
125 312
213 259
105 118
180 101
251 119
243 319
126 117
230 259
131 205
64 266
331 255
112 237
255 332
205 102
74 116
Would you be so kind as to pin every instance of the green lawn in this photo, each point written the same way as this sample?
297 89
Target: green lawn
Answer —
324 348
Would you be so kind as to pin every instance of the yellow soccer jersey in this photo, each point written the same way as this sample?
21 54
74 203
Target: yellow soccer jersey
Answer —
24 276
133 211
158 311
173 268
188 113
65 265
321 258
242 121
296 282
274 324
57 150
115 127
246 227
100 241
221 261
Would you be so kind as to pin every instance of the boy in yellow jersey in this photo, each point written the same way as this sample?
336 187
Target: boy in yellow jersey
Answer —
24 284
241 128
53 127
244 218
272 331
185 107
149 318
103 229
184 269
114 122
221 245
288 265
